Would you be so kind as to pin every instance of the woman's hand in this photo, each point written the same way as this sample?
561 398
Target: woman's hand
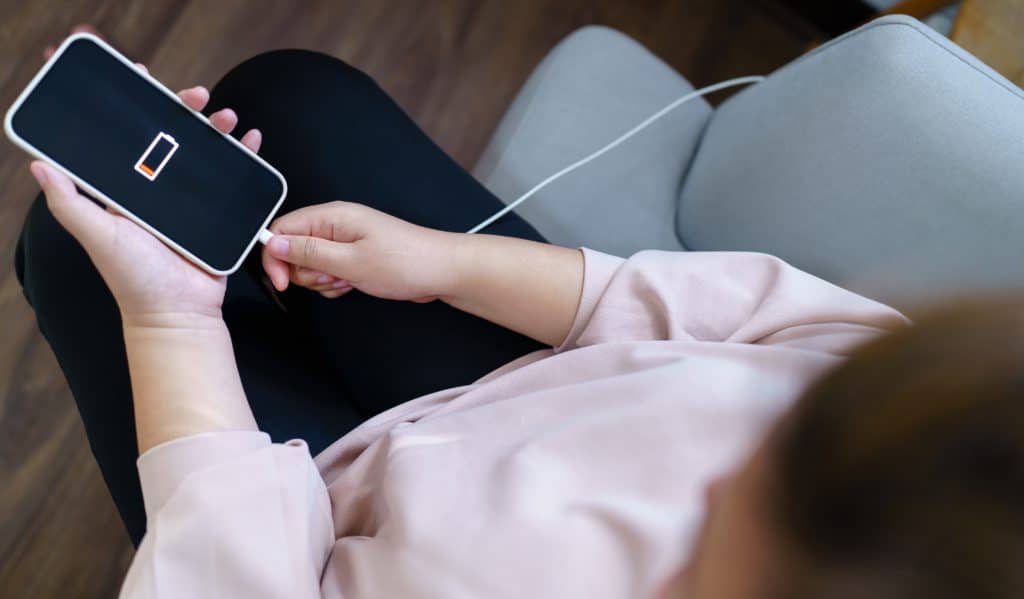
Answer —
151 283
336 247
529 287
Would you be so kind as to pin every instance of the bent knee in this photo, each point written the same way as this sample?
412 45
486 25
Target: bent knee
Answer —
287 69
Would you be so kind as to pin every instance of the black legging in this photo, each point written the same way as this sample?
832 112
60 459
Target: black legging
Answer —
319 369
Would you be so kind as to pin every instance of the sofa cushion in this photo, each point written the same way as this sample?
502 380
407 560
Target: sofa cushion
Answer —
890 161
594 86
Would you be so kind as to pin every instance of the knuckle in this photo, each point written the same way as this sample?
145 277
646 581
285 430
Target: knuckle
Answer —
348 207
309 249
344 209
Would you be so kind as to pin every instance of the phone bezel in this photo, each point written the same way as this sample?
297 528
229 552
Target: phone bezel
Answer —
99 195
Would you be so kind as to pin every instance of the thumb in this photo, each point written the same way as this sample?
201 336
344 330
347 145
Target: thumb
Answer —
86 221
329 257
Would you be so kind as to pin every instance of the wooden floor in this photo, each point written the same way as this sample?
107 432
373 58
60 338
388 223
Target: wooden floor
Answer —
453 64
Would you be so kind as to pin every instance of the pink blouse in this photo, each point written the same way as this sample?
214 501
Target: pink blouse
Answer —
572 472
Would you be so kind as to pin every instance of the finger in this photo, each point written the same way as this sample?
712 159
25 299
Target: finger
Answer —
339 221
141 67
253 139
340 284
333 284
277 270
87 222
49 51
322 288
335 293
310 278
312 252
86 28
224 120
195 97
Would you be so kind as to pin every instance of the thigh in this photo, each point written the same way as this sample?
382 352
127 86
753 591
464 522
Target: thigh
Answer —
336 135
291 388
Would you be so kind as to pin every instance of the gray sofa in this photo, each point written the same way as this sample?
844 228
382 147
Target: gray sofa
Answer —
889 161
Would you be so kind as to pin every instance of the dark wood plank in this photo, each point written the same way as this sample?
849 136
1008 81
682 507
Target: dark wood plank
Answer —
453 64
60 535
833 17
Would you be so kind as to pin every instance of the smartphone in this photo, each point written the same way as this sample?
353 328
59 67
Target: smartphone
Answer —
133 145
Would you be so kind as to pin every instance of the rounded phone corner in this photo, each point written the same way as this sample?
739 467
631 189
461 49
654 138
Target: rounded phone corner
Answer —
82 35
9 125
20 99
203 264
217 272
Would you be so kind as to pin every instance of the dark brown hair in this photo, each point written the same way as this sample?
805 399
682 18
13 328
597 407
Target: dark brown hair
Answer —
901 473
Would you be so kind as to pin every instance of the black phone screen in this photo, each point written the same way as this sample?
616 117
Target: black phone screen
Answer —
109 126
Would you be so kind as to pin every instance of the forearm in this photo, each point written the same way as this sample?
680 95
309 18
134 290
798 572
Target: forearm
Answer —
184 378
531 288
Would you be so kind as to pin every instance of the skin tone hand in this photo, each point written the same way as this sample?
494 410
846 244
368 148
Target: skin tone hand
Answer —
532 288
184 377
376 253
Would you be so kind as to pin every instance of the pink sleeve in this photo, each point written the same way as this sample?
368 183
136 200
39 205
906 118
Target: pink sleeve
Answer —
231 515
735 297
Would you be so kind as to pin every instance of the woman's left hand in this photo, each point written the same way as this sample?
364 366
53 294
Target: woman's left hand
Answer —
152 284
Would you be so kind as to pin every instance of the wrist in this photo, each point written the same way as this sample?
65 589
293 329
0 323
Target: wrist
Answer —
462 261
184 377
172 321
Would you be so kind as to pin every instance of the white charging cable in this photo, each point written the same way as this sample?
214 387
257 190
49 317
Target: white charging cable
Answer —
657 115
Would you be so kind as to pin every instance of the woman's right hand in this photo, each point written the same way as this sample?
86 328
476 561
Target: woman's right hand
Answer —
529 287
336 247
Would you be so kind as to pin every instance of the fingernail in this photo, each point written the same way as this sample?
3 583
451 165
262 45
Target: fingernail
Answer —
278 246
339 284
323 279
39 172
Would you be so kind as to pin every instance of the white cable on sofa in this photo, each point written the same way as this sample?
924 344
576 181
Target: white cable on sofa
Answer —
657 115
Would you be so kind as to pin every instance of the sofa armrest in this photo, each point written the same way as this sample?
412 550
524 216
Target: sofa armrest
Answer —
595 85
889 160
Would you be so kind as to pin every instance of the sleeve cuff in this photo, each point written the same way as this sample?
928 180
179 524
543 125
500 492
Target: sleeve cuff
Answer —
598 270
163 468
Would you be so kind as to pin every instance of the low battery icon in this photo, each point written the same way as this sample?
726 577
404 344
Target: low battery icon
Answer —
156 156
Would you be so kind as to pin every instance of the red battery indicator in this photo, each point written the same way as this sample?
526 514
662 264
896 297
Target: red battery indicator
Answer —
156 156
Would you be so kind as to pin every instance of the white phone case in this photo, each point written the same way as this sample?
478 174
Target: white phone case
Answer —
17 139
